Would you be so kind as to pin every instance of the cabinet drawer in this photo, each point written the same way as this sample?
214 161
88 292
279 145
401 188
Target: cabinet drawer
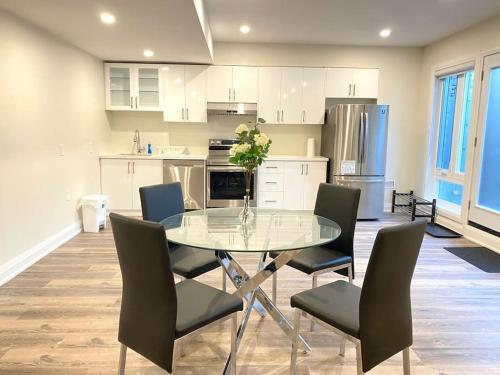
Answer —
270 182
270 199
271 167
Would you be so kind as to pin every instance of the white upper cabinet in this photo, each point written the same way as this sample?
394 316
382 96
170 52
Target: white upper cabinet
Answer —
291 95
269 102
232 84
196 98
133 87
313 96
245 84
219 83
365 83
352 83
185 93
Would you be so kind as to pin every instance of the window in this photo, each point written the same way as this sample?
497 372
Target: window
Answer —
454 104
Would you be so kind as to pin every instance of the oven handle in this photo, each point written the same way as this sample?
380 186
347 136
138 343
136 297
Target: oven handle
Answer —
225 169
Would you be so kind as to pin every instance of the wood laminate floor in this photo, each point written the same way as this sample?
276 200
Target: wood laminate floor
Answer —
60 317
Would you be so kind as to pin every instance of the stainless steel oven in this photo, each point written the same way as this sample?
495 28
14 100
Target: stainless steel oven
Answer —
226 181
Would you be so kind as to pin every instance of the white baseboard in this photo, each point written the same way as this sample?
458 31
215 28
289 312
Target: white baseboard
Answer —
21 262
482 238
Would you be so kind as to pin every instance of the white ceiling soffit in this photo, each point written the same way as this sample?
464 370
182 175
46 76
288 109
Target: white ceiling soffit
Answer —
347 22
175 30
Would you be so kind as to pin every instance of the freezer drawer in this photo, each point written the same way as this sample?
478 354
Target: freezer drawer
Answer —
371 202
191 175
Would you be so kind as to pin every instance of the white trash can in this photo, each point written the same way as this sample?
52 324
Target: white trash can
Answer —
94 212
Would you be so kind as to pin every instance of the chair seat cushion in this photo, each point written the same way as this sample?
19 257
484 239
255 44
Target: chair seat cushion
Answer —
199 304
190 262
336 304
316 258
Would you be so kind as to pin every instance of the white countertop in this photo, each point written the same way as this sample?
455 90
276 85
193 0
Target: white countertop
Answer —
295 158
154 156
204 157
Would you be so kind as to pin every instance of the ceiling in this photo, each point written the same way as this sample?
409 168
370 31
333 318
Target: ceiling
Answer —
179 30
171 28
347 22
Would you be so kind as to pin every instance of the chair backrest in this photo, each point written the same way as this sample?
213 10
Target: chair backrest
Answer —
340 204
149 301
385 304
161 201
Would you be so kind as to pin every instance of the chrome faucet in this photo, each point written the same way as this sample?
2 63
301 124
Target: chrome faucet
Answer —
137 147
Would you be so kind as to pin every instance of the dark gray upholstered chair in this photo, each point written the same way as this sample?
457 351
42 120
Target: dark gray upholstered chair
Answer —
376 317
156 314
339 204
161 201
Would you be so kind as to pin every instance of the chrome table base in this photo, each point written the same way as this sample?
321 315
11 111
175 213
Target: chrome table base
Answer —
249 289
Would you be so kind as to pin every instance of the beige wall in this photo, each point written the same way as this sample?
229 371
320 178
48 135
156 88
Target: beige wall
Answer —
50 94
399 87
465 45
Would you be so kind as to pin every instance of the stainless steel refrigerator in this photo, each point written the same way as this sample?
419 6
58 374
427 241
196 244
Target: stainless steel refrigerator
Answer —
354 138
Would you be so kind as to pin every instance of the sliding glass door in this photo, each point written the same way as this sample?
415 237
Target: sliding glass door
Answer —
453 119
485 202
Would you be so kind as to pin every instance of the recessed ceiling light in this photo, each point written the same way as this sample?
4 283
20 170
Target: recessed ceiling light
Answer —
148 53
245 29
385 33
107 18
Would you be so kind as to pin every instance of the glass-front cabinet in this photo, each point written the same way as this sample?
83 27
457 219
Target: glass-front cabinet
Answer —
133 87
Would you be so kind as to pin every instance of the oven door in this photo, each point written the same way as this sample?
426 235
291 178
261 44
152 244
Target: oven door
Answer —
226 186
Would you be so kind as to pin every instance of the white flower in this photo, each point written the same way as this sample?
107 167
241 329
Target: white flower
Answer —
239 148
241 128
261 139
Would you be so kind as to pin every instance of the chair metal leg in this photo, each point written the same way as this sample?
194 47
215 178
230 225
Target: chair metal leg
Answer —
349 272
359 360
406 361
175 355
314 285
224 280
275 286
342 346
123 358
295 341
234 349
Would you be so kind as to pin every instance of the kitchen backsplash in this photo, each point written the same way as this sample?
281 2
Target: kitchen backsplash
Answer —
287 139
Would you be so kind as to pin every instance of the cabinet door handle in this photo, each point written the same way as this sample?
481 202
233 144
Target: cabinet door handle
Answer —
271 182
133 167
234 94
136 102
187 114
229 94
307 169
350 89
282 116
131 103
128 168
354 90
269 201
183 113
278 115
302 169
303 116
271 167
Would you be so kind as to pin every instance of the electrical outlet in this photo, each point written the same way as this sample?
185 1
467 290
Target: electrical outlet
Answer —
61 149
68 195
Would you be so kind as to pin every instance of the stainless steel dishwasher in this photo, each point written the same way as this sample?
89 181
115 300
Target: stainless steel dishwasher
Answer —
191 175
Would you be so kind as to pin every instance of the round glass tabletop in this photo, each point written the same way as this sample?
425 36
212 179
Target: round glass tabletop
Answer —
268 230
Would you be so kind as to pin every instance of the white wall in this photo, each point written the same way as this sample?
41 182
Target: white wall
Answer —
399 87
50 94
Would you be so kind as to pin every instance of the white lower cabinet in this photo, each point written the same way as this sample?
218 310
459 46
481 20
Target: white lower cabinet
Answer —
122 178
290 184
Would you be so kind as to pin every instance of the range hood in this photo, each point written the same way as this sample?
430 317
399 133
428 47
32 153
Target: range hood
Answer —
234 109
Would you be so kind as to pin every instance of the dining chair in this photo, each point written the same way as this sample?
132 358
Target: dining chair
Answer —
377 317
339 204
161 201
156 313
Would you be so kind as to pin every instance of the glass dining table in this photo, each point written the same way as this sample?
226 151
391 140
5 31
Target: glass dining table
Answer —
220 230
